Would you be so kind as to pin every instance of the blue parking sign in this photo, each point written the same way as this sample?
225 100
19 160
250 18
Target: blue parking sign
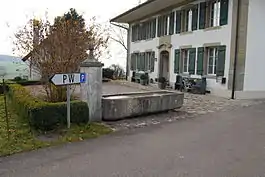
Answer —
82 77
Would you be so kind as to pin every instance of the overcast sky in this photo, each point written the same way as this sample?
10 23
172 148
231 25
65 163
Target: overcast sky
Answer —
15 13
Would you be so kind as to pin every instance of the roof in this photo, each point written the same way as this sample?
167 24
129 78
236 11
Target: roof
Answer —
148 8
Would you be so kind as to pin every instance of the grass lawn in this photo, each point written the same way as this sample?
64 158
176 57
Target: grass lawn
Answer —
22 138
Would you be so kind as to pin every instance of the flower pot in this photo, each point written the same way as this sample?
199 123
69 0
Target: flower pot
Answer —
162 85
143 82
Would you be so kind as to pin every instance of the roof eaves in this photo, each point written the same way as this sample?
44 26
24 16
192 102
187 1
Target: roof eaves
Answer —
131 10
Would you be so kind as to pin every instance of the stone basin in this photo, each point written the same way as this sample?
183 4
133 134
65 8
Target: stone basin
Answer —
127 105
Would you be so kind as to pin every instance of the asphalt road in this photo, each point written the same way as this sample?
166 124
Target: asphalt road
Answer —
224 144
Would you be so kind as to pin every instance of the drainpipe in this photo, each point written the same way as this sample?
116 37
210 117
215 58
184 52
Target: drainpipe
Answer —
236 51
128 45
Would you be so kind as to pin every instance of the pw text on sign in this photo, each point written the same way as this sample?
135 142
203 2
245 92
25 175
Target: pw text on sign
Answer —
68 79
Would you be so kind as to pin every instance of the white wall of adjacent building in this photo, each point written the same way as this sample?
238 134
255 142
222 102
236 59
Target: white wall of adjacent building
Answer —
255 53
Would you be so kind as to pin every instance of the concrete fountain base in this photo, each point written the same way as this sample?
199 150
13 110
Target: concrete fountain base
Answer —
122 106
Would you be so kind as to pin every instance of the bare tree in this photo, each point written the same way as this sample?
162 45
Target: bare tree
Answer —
118 71
59 47
119 35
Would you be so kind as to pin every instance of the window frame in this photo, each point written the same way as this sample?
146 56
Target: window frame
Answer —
215 60
215 13
185 54
189 20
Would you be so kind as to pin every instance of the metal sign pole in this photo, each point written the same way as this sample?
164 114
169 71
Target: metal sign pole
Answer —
68 106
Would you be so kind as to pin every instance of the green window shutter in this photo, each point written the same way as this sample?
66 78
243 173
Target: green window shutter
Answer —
153 62
164 25
138 62
178 22
154 28
192 56
146 61
159 26
186 20
195 18
220 66
171 23
133 62
141 31
142 61
224 12
200 58
132 34
202 17
176 61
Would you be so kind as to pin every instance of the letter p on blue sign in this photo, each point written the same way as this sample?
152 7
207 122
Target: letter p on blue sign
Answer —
82 77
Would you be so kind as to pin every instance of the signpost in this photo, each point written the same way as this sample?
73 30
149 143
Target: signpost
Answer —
68 79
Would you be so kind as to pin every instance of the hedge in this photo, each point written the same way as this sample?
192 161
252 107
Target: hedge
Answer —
26 82
2 88
44 115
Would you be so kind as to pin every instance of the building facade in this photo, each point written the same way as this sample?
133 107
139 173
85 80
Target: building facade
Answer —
218 39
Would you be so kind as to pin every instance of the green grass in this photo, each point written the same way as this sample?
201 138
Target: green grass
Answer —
22 138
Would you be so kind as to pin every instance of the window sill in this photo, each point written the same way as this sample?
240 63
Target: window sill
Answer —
213 28
185 33
150 39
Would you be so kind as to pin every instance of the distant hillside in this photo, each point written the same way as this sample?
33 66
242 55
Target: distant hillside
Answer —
14 66
8 58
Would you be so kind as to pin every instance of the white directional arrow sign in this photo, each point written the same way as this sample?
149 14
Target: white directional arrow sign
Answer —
68 79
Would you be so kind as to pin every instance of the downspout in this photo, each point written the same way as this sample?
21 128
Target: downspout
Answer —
236 51
128 54
128 45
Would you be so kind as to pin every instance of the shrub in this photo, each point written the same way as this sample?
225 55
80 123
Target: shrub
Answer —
18 78
162 80
2 88
44 115
107 73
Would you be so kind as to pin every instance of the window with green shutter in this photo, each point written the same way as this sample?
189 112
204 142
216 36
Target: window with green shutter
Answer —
153 30
133 62
176 61
187 17
224 12
159 29
138 62
142 61
152 69
220 67
171 23
195 18
192 57
200 59
146 61
178 22
202 15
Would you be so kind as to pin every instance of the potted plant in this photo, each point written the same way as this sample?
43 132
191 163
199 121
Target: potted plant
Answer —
162 83
144 79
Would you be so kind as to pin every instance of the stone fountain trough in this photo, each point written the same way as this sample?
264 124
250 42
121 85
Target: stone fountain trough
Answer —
126 105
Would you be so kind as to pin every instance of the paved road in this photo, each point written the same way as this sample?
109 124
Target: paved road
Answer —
224 144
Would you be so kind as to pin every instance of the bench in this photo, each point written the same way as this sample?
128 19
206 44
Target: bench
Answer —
193 85
136 77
